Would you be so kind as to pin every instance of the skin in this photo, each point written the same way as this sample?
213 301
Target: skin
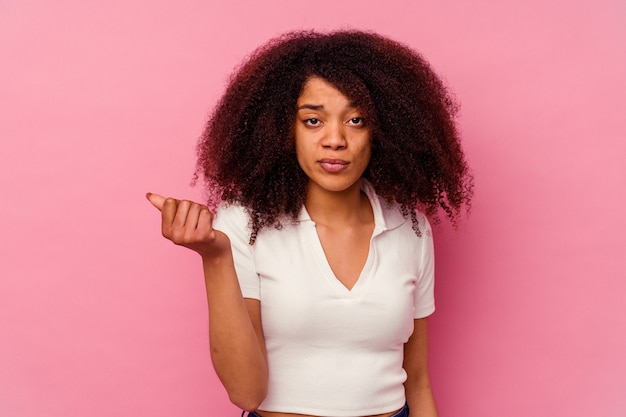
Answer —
330 134
333 148
235 332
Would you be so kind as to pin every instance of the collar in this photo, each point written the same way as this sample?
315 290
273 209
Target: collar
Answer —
387 216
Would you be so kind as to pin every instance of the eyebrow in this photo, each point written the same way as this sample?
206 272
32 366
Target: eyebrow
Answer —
311 107
318 106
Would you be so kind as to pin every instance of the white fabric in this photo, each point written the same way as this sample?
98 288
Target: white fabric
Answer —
334 351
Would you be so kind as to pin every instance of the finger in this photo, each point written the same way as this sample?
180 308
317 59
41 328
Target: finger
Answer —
169 209
193 217
205 221
156 200
181 213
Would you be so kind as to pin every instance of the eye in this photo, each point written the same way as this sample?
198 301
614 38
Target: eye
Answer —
312 122
356 121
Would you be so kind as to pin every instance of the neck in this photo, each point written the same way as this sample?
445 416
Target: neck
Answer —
337 207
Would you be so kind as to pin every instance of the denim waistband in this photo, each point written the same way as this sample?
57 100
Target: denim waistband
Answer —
403 412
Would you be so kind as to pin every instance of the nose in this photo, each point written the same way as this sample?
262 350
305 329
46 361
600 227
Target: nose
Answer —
335 136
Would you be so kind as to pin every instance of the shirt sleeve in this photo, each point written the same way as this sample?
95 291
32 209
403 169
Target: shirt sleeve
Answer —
425 288
234 222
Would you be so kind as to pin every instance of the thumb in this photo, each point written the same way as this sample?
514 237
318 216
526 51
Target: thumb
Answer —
156 200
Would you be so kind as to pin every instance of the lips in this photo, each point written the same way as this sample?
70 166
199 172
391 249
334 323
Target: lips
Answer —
333 165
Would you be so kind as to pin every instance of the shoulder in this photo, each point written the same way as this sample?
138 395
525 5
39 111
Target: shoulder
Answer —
389 215
231 212
234 220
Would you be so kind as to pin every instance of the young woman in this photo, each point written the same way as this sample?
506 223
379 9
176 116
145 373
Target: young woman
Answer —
321 162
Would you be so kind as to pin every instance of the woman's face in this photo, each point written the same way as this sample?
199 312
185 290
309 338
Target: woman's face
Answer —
332 139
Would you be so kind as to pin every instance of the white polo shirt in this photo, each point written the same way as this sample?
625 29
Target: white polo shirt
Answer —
333 351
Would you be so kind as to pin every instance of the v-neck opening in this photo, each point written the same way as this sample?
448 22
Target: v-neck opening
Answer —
322 259
363 273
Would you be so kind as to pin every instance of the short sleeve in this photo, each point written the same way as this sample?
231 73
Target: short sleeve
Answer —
425 287
233 221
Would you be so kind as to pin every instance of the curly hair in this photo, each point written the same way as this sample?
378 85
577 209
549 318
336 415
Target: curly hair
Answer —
246 153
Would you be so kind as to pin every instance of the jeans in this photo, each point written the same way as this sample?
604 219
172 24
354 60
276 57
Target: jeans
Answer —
403 412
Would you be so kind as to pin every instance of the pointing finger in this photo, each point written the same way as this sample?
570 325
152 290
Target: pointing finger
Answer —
156 200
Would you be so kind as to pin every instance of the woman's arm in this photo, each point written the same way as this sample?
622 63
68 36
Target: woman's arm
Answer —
236 337
235 333
417 386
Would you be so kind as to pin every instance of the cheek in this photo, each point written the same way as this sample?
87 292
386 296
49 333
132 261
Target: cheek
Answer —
304 145
366 151
367 159
298 149
300 155
299 141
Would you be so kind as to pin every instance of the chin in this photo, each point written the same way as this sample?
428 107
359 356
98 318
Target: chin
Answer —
337 185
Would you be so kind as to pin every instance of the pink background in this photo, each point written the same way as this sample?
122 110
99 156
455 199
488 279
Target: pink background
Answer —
100 103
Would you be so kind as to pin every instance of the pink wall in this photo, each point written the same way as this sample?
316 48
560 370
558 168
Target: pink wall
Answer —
100 103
